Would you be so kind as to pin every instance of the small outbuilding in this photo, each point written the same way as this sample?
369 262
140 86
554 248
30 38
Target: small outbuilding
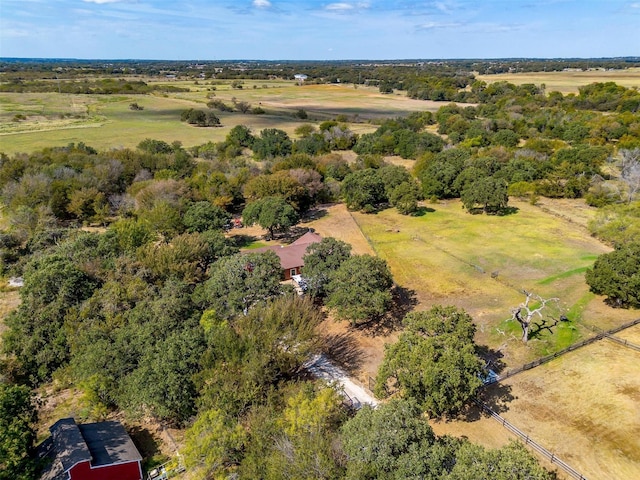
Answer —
93 451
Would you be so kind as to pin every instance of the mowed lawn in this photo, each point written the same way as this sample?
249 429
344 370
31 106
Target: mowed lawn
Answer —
483 262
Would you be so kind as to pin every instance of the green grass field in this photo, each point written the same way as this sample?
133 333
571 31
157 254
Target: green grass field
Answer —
105 121
482 263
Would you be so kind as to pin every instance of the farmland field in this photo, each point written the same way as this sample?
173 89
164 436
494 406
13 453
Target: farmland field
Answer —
568 81
553 405
482 263
583 406
105 121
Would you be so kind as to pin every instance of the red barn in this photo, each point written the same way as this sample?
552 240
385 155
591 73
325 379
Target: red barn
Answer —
93 451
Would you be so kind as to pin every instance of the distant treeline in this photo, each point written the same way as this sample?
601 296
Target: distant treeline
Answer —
348 71
105 86
451 80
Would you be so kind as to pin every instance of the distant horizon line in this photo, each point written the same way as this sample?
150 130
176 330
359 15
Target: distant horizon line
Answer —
633 58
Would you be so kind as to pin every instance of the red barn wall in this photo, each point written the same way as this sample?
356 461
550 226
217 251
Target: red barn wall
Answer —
123 471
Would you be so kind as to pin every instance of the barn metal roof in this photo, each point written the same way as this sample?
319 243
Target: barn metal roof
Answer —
103 443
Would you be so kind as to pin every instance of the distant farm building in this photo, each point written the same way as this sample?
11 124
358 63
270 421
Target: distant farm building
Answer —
93 451
300 77
291 255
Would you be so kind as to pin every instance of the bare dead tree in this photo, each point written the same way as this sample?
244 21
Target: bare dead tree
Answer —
524 314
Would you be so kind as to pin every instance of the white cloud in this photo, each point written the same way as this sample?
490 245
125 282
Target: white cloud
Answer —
100 2
442 7
339 7
261 3
437 25
342 7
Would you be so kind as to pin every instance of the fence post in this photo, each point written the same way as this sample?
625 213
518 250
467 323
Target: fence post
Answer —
553 456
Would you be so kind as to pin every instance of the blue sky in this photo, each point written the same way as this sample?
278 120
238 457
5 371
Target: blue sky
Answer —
318 30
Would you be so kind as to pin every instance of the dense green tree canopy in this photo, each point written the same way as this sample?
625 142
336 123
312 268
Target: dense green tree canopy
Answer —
17 432
363 190
321 260
511 462
239 282
395 442
360 289
392 441
279 184
434 361
272 142
272 213
202 216
248 355
36 335
405 197
617 275
489 193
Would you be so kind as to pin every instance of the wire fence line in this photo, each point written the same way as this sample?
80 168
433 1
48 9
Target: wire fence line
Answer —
552 457
623 342
609 335
599 336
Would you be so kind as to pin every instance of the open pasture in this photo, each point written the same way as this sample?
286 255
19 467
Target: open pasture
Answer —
482 263
585 407
320 101
106 121
569 81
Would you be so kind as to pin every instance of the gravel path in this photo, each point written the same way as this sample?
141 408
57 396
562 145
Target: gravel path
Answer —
321 367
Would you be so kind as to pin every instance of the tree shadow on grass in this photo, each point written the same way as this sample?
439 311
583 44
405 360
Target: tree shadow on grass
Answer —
314 214
244 241
292 234
403 301
543 328
500 212
503 212
422 211
492 358
344 350
497 397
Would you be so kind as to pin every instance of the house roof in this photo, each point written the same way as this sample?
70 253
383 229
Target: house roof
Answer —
291 255
308 238
109 443
68 443
103 443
